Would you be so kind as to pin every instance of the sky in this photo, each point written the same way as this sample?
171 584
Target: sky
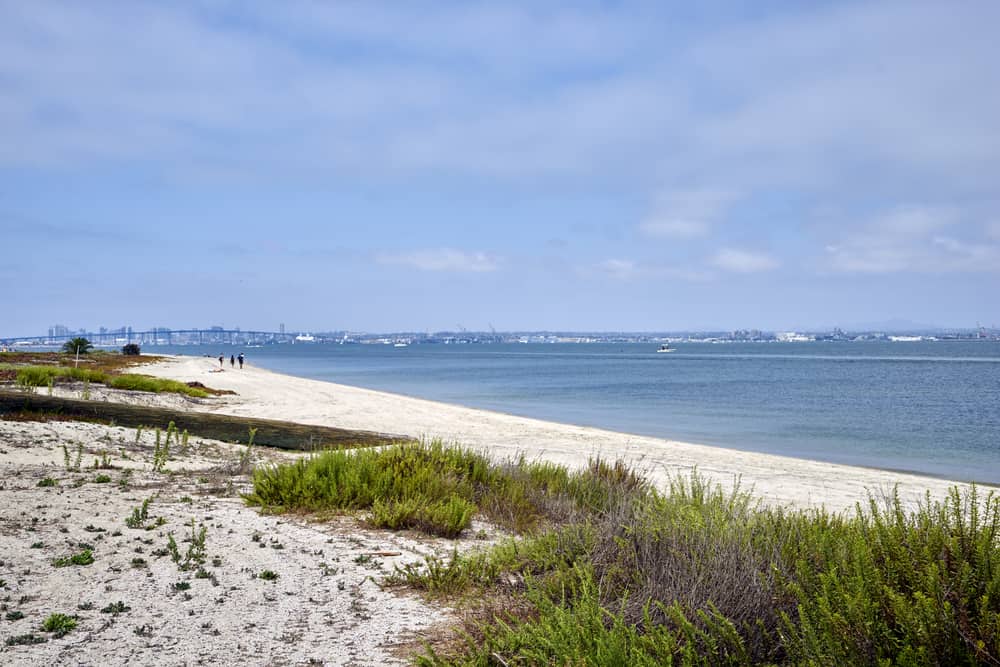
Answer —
427 166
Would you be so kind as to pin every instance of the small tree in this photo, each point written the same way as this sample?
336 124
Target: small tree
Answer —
77 345
131 350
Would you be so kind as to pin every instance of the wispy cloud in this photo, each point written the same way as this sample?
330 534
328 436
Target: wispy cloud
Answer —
685 214
917 239
442 259
736 260
627 269
620 269
993 230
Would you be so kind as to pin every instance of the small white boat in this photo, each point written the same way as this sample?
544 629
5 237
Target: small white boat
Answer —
399 345
666 348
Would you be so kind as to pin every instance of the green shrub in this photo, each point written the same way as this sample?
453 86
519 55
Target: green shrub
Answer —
59 624
914 588
701 576
85 557
131 350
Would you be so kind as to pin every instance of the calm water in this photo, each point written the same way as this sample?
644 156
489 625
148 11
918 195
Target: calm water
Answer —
928 407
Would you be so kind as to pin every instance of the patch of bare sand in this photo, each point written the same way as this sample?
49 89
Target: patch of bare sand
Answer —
777 480
325 607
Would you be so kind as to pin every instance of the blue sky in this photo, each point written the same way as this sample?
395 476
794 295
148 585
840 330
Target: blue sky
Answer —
420 166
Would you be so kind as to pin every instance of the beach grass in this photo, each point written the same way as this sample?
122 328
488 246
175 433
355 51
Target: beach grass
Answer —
41 376
438 488
603 569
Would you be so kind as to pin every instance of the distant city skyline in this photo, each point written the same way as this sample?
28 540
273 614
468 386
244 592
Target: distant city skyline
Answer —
432 166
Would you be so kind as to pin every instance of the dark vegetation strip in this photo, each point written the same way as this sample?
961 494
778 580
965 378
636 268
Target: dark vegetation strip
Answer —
229 428
606 570
96 360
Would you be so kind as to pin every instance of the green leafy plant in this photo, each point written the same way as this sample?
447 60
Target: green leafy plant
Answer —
72 464
104 462
59 624
116 608
139 515
195 554
268 575
131 350
85 557
47 481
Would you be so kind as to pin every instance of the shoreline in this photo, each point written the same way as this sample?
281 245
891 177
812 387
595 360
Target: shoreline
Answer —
775 479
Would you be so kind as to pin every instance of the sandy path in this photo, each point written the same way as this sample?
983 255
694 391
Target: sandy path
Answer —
776 479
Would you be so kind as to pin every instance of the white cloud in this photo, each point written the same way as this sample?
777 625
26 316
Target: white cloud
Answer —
627 269
685 214
743 261
621 269
442 259
993 230
912 239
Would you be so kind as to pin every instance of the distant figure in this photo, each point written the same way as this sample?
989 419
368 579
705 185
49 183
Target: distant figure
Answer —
240 359
232 360
220 361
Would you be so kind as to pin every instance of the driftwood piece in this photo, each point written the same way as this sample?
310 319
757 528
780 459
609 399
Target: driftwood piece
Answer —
228 428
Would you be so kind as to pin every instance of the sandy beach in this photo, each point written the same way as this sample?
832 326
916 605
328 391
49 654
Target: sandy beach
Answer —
776 480
135 603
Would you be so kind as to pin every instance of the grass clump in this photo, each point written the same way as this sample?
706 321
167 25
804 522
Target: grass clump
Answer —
31 377
135 382
47 481
85 557
59 624
116 608
438 489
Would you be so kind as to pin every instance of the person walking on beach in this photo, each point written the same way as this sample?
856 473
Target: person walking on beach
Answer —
232 360
240 358
220 361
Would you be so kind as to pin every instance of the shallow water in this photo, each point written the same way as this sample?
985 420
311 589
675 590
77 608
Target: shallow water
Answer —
927 407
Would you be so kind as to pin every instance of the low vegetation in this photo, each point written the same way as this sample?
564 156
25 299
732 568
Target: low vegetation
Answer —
605 570
437 489
85 557
59 624
29 377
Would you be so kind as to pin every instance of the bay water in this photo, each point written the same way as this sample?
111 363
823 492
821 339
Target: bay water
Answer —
930 407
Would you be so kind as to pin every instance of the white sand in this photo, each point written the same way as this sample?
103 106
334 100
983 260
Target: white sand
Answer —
326 607
776 479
